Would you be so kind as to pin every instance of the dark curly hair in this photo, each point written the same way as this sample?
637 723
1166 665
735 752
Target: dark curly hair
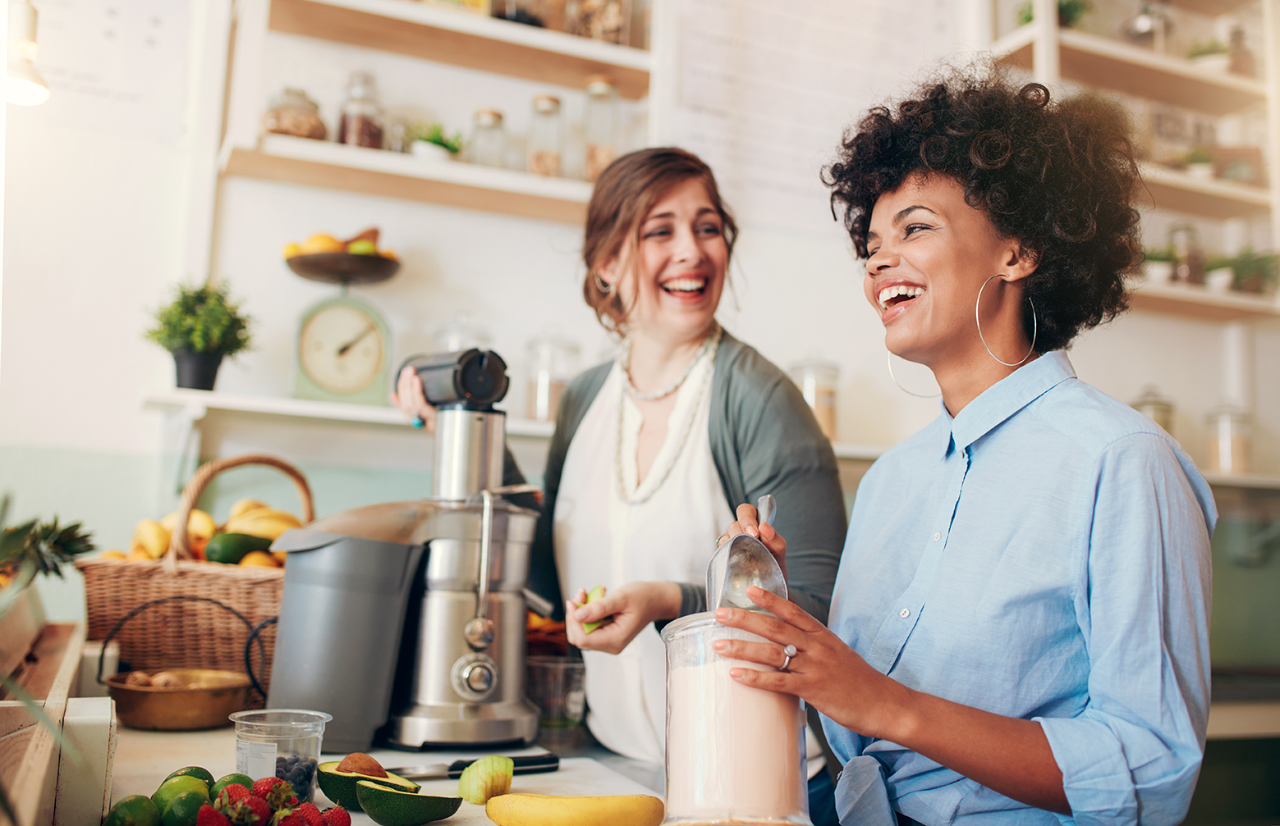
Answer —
1058 177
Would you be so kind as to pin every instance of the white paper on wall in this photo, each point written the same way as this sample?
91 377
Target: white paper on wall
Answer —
115 66
766 88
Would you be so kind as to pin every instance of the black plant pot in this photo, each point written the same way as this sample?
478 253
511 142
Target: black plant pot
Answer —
197 371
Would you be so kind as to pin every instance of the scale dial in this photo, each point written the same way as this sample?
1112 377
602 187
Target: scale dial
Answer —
342 348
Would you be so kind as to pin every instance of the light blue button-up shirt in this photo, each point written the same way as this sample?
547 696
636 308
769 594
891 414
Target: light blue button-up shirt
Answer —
1042 555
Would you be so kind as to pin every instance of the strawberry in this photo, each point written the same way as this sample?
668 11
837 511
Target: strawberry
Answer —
229 797
277 792
336 816
310 813
288 817
209 816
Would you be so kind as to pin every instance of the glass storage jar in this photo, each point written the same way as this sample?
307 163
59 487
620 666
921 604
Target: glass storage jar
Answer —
361 123
735 754
1230 437
1155 406
553 361
607 20
545 137
488 139
600 126
1188 256
817 381
293 113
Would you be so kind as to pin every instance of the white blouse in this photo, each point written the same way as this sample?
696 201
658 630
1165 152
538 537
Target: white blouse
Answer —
603 539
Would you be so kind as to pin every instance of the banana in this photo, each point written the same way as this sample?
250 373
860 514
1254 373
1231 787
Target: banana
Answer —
150 538
199 524
557 810
264 522
243 506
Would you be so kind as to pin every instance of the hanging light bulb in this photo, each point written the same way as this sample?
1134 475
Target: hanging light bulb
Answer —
24 85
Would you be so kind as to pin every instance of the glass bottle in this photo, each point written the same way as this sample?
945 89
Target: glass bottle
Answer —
461 334
1188 257
361 123
488 139
1155 406
545 137
293 113
817 381
600 127
552 363
1241 62
1229 441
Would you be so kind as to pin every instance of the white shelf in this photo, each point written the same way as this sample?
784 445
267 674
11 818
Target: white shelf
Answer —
1213 198
864 453
198 402
1195 301
1252 481
1110 64
465 39
396 175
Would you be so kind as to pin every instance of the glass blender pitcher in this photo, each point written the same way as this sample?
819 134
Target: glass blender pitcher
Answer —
735 754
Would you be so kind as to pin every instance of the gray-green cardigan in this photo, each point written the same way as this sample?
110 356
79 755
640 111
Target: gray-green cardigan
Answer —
764 439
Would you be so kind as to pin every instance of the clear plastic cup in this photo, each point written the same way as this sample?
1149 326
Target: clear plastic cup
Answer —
281 742
555 685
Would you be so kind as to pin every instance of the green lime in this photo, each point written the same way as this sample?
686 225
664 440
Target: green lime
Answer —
230 780
175 786
134 810
194 771
182 810
230 548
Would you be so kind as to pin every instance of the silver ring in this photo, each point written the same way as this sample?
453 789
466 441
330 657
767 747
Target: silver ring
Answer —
788 653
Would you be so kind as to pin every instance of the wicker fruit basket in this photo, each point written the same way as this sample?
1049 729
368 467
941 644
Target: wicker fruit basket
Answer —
189 633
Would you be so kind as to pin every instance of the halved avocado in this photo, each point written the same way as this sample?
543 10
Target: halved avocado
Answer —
340 787
391 807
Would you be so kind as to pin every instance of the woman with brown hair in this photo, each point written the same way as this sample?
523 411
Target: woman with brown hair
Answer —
652 451
1019 629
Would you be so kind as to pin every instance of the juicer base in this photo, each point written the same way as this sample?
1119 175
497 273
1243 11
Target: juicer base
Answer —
455 725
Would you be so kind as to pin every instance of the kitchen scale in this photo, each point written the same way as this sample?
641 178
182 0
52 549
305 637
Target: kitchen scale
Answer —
343 348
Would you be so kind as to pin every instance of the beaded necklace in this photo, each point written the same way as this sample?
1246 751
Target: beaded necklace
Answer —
710 345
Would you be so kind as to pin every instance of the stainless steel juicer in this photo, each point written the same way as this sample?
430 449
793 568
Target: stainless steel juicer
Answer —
418 608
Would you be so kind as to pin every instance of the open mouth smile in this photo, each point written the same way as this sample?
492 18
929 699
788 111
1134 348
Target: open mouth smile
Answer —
897 294
685 286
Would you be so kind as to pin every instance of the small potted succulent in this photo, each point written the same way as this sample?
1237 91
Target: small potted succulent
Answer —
1198 162
199 327
431 142
1210 54
1069 12
1157 265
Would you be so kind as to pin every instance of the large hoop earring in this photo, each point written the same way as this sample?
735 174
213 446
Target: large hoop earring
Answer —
603 286
889 363
978 320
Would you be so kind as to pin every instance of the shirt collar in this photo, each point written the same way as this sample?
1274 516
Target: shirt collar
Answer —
1006 397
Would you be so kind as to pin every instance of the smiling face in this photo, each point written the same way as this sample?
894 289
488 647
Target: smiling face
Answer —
929 254
672 282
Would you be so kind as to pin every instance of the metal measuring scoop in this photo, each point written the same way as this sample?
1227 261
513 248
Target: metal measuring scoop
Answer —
744 561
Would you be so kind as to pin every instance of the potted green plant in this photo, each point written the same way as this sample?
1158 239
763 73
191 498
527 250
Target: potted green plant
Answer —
1210 54
1157 265
1069 12
1254 272
199 327
1198 162
430 141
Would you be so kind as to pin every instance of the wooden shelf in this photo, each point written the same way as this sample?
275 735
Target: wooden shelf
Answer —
1210 8
1218 199
1252 481
199 402
1109 64
1197 302
396 175
465 39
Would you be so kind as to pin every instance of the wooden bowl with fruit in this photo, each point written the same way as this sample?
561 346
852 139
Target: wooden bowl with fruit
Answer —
357 260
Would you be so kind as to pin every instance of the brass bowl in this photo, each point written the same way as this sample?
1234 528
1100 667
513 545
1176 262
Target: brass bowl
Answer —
205 700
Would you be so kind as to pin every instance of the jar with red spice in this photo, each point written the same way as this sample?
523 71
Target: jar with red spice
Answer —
362 122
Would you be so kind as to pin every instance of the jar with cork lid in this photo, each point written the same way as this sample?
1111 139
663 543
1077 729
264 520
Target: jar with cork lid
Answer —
546 137
817 380
362 122
488 139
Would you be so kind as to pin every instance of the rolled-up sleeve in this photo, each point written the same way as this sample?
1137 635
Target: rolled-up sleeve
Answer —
1134 753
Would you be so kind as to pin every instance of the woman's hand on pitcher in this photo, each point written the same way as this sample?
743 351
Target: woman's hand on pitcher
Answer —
410 400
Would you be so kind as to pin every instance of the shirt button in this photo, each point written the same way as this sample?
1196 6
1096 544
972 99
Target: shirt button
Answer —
904 613
937 536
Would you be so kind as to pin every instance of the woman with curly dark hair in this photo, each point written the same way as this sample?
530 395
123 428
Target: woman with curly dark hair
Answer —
1019 628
